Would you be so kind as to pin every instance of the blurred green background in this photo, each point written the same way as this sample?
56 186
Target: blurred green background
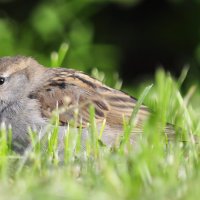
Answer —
130 37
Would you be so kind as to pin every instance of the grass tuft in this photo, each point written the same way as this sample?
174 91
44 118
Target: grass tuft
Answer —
150 169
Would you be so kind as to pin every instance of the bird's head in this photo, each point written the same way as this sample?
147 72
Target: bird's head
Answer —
16 75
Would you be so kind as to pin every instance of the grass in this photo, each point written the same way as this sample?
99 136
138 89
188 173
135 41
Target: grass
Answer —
153 169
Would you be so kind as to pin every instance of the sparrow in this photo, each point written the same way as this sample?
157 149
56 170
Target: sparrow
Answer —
30 93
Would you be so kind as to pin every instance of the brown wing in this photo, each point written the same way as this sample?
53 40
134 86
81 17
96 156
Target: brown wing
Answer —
71 90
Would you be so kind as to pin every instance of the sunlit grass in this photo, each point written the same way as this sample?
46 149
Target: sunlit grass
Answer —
154 168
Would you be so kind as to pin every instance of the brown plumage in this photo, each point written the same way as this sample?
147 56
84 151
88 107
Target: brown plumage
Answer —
30 93
81 91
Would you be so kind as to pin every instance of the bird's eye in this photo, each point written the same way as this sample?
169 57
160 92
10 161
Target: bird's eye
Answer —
2 80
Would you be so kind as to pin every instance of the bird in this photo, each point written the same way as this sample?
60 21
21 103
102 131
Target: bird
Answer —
30 93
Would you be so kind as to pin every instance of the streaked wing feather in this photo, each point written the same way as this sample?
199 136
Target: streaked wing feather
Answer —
74 90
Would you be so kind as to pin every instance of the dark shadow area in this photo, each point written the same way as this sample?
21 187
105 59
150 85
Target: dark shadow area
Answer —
151 34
